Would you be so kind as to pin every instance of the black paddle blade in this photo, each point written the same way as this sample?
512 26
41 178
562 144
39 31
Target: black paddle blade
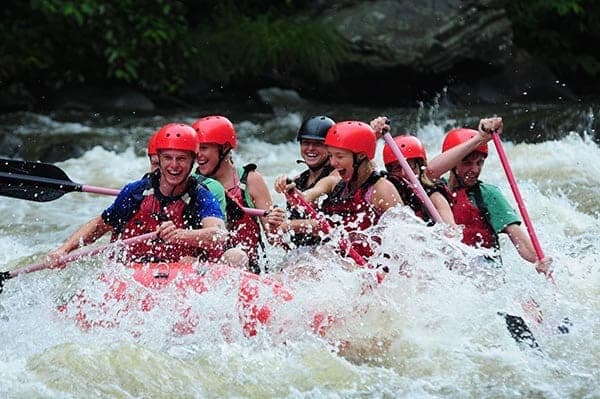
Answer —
519 330
3 277
34 181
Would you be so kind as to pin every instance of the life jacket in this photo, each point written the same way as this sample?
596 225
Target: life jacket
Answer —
154 210
477 229
357 213
302 180
243 229
301 239
413 201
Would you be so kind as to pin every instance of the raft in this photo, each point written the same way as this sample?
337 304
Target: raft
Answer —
139 294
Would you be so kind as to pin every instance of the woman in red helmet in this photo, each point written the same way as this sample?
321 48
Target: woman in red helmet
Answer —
244 187
481 208
414 152
359 194
185 215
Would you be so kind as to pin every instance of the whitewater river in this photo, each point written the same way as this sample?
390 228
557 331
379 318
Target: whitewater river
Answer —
425 332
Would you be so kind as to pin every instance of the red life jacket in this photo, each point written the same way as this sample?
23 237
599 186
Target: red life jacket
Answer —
244 230
302 239
477 231
413 201
146 220
356 211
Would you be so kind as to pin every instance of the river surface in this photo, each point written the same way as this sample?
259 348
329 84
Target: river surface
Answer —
430 330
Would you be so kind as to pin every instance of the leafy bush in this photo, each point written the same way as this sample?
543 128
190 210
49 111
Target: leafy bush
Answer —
561 32
240 46
158 44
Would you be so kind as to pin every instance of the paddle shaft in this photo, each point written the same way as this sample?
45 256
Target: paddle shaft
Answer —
517 194
33 181
416 185
74 256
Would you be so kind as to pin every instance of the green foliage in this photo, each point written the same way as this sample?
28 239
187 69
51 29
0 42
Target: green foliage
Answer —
561 32
159 44
124 40
242 46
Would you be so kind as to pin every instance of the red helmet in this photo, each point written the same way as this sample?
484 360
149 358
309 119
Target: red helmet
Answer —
460 135
353 136
177 136
152 144
215 130
410 146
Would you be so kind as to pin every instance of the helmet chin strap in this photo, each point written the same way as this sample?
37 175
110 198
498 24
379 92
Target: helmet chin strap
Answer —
355 165
222 155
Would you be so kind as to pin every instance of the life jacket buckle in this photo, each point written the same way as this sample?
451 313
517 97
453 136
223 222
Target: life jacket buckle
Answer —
163 270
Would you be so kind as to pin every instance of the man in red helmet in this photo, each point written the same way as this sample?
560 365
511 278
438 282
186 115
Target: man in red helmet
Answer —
481 208
185 215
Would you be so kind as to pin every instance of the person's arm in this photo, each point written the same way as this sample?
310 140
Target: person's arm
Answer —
443 208
86 234
323 186
522 242
262 199
385 196
303 226
447 160
212 233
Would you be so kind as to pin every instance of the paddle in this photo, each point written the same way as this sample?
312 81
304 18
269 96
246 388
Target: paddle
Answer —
415 183
517 194
72 256
516 325
43 182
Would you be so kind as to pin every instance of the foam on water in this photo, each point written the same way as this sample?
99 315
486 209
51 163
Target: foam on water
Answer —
431 329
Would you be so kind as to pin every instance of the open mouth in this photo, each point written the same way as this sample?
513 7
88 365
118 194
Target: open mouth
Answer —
174 173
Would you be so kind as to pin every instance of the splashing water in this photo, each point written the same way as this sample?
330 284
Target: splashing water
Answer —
430 329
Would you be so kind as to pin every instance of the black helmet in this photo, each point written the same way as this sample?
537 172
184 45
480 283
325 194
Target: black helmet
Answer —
315 128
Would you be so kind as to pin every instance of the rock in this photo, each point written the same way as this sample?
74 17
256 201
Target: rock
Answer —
16 97
101 99
414 50
428 36
524 78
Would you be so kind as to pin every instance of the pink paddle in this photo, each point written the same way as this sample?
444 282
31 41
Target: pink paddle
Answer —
415 183
74 256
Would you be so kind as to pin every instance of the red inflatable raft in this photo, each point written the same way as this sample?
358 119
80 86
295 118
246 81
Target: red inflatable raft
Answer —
139 294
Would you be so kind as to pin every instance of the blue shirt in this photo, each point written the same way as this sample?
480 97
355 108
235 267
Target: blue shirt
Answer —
131 196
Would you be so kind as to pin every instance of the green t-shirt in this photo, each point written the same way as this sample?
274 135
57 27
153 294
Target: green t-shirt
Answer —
501 213
216 189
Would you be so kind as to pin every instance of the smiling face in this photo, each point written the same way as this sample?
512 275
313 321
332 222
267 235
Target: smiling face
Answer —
208 158
175 167
314 153
342 161
469 168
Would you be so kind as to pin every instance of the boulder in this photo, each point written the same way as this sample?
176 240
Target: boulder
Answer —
87 98
415 50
